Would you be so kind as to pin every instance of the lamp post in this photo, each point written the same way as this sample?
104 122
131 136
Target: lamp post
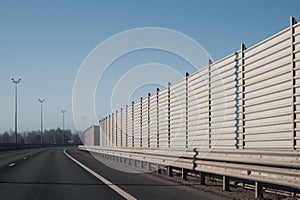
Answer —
63 114
16 107
41 101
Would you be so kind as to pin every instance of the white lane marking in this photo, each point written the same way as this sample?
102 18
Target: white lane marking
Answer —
12 164
105 181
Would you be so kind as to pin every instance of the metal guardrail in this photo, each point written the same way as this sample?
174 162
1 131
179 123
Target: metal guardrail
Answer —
273 167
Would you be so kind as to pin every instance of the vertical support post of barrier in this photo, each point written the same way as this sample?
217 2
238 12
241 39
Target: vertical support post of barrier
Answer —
184 174
293 72
112 129
158 170
169 115
243 48
186 110
132 124
109 130
170 171
126 129
226 183
237 101
157 116
106 132
148 122
294 194
121 127
209 103
101 132
202 178
101 136
141 122
258 190
142 164
116 132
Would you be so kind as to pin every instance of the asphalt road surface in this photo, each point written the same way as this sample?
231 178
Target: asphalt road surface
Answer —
50 174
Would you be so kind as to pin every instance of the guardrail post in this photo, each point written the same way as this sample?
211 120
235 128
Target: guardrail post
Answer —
293 65
186 110
202 178
184 174
149 166
226 184
294 194
258 190
158 170
170 170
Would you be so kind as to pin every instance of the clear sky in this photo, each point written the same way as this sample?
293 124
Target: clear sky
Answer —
45 42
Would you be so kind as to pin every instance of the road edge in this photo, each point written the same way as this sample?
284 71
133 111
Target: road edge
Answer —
104 180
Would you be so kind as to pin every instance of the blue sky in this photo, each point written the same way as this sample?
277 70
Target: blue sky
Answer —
45 42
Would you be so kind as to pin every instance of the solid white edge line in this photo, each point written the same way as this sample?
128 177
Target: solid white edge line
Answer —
105 181
12 164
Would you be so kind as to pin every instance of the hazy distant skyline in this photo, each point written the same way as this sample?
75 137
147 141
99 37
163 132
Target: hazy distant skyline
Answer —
45 42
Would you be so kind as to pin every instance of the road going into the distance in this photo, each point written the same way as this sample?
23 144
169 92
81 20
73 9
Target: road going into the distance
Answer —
49 174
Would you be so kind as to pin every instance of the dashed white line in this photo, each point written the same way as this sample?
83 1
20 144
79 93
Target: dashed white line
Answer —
12 164
104 180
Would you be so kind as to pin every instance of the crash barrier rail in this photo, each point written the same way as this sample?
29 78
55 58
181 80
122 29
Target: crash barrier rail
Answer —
267 167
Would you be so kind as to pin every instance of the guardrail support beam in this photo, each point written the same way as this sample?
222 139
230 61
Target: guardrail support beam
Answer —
158 170
170 171
184 174
258 190
149 166
226 184
202 178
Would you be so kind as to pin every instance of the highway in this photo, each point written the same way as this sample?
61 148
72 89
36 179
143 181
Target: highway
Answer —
49 174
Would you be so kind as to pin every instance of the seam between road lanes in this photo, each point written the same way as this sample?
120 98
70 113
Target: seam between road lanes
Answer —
104 180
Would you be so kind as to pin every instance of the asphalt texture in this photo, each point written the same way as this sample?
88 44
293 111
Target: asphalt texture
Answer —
50 174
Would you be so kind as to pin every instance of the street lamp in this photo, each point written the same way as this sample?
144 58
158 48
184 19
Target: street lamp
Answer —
63 114
41 101
16 107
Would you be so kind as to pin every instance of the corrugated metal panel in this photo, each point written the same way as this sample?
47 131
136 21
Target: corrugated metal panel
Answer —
145 123
163 118
137 124
130 134
153 121
178 115
242 101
